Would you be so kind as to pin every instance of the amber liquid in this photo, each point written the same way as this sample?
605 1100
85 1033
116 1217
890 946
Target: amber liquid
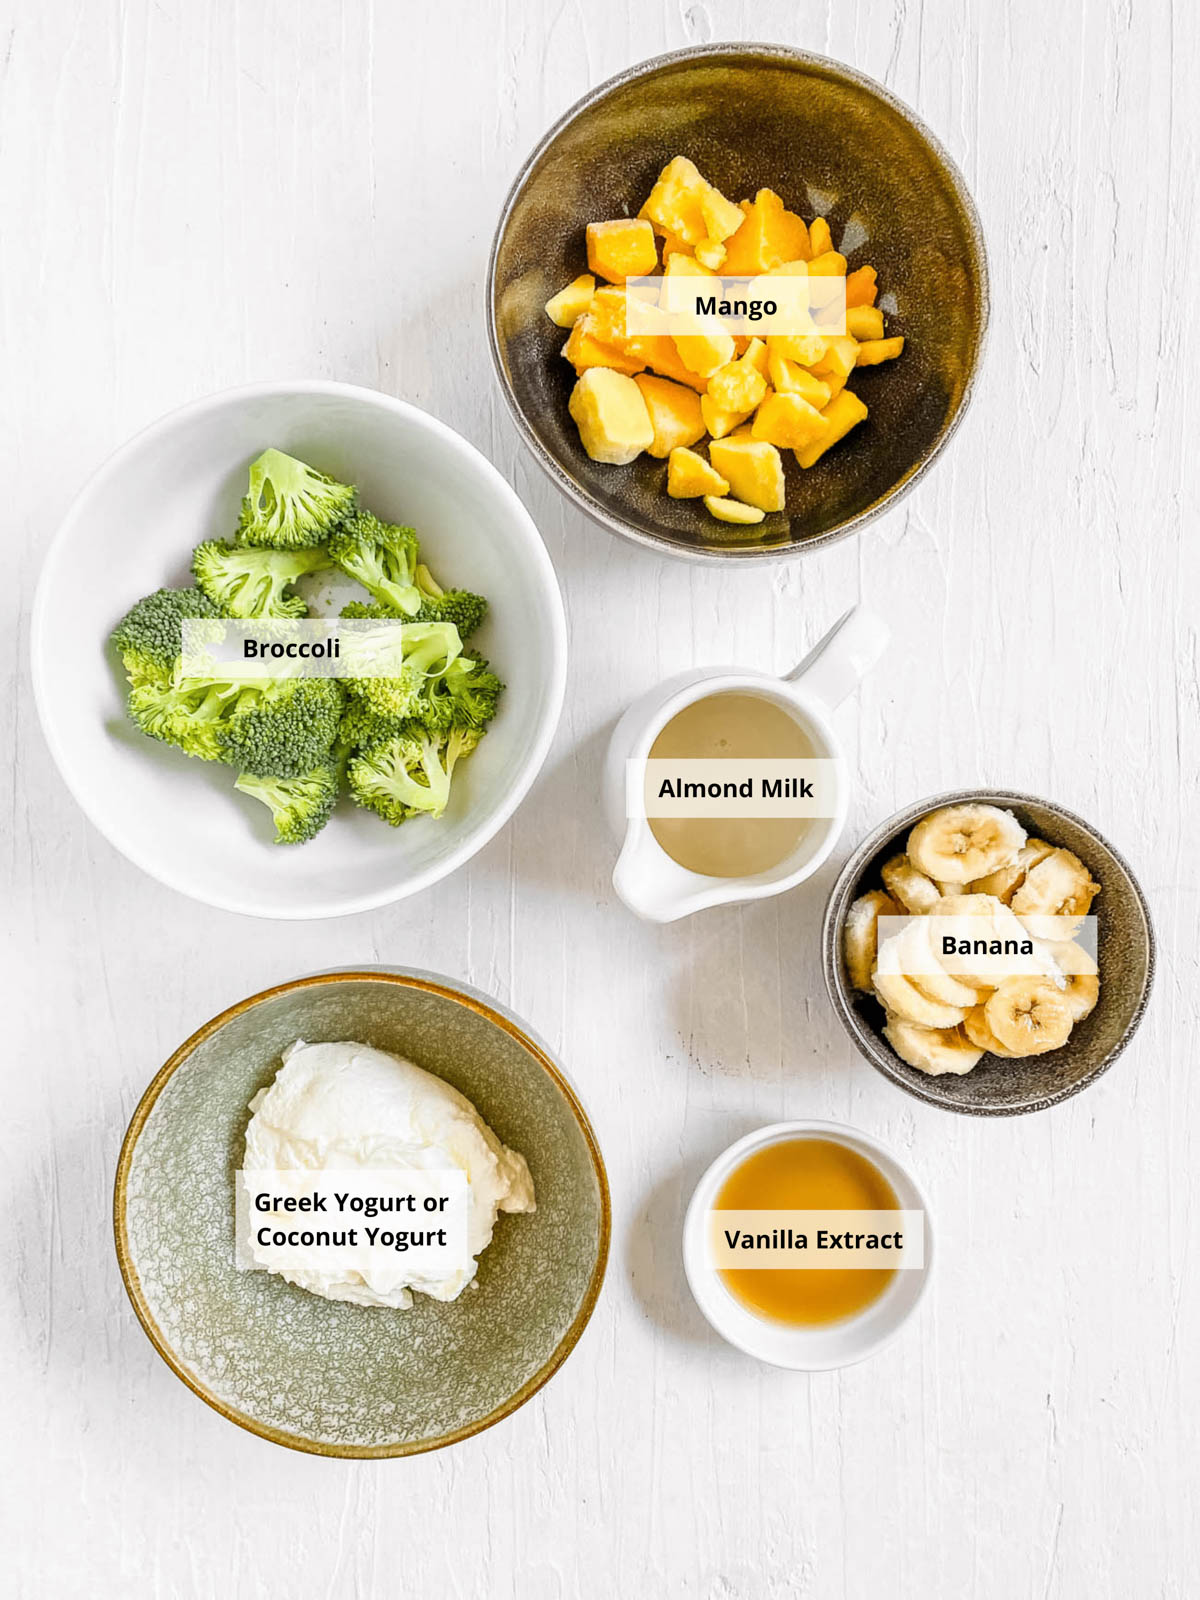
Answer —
806 1174
739 727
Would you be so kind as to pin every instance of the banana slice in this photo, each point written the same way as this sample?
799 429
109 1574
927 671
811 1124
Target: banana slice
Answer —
1082 975
915 892
860 936
959 843
899 994
1029 1016
1059 886
979 916
921 964
931 1050
975 1026
1005 882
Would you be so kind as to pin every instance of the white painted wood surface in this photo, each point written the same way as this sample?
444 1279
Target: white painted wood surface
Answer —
199 194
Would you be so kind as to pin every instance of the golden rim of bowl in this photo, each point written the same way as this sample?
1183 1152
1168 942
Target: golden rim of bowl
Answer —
294 1441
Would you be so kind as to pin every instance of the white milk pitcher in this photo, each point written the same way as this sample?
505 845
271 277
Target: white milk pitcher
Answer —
645 877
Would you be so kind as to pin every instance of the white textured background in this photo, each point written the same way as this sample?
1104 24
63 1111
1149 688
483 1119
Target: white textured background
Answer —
198 193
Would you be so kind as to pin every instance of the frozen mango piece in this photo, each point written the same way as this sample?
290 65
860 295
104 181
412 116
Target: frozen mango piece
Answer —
611 416
673 245
657 351
674 203
732 510
805 349
674 414
829 265
789 377
872 351
721 217
844 411
860 287
622 249
756 354
839 358
718 421
569 304
864 322
689 476
707 346
737 386
587 348
754 469
711 254
685 266
768 236
819 237
788 421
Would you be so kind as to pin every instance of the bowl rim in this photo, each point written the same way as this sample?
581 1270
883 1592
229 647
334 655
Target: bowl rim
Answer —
838 904
785 55
704 1193
407 978
128 843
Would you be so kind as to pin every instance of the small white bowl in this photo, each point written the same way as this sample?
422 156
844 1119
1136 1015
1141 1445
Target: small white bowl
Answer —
132 530
834 1344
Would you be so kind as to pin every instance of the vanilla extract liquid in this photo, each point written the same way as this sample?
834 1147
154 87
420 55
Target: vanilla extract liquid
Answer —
806 1174
738 727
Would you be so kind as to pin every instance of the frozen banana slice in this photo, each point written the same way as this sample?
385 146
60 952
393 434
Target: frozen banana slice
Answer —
1005 882
975 1026
1082 975
931 1050
1058 886
920 962
915 892
959 843
899 994
982 916
1029 1016
860 936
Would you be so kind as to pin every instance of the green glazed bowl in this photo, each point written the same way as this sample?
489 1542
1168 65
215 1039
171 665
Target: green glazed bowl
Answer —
322 1376
828 140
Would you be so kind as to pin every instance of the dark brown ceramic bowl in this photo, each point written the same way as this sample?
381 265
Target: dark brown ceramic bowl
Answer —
1125 952
828 140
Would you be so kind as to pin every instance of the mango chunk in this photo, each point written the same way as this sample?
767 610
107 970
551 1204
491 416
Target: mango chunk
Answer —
622 249
717 421
673 245
788 377
769 236
689 476
674 414
832 264
861 287
711 254
805 349
864 322
674 203
789 422
737 386
587 349
721 217
657 351
611 416
844 411
732 510
756 354
838 361
685 266
754 469
568 305
872 351
710 345
819 236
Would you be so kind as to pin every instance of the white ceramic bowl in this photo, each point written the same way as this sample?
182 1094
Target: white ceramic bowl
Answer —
132 530
836 1344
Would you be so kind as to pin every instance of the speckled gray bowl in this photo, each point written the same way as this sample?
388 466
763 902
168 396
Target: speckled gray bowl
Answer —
1125 953
827 139
322 1376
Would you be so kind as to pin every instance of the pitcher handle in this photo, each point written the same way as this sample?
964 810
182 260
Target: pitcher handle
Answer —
837 663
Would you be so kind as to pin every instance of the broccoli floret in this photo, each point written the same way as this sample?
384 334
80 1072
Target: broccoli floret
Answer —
282 728
428 648
290 506
409 774
382 557
244 582
466 695
186 714
459 606
364 725
300 807
150 636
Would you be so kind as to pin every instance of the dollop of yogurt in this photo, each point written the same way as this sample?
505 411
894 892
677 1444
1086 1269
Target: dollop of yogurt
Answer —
348 1106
